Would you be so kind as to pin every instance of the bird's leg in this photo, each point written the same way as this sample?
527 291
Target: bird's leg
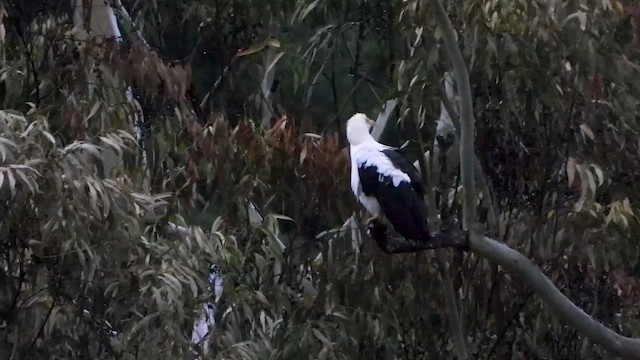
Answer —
373 220
378 231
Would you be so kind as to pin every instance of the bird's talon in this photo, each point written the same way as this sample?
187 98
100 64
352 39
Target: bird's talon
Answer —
371 228
372 221
376 227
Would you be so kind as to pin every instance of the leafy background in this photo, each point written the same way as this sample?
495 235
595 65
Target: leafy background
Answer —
84 210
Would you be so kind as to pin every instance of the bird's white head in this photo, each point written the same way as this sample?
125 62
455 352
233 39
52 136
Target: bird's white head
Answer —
358 128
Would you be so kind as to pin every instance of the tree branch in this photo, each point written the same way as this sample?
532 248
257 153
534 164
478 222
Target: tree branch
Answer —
44 323
452 306
501 253
383 118
557 302
467 154
399 245
446 107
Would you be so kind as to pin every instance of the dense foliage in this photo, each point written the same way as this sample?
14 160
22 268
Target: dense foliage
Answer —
245 100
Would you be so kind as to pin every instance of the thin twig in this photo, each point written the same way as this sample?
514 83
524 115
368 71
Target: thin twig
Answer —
30 61
46 319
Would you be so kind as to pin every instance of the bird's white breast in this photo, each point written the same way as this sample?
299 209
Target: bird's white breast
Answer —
369 202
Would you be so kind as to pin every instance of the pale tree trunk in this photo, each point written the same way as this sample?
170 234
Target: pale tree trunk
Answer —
266 103
498 252
383 118
96 19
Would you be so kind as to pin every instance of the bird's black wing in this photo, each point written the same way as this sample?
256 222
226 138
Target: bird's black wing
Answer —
369 178
400 161
403 205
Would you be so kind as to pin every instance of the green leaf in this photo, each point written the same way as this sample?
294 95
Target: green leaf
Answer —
259 47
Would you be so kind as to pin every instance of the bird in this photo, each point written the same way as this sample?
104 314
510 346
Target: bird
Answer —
385 182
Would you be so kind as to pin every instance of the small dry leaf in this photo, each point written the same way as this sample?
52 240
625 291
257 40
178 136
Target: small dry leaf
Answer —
586 130
599 174
303 154
591 180
627 206
618 7
571 170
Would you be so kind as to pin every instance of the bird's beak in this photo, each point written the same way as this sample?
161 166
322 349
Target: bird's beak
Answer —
371 123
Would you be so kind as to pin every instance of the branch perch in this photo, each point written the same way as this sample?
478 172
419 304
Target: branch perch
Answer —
398 245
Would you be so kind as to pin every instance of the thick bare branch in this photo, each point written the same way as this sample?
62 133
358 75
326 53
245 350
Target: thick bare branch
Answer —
383 118
557 302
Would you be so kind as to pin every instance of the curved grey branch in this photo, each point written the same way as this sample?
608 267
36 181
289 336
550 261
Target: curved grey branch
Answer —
557 302
383 118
